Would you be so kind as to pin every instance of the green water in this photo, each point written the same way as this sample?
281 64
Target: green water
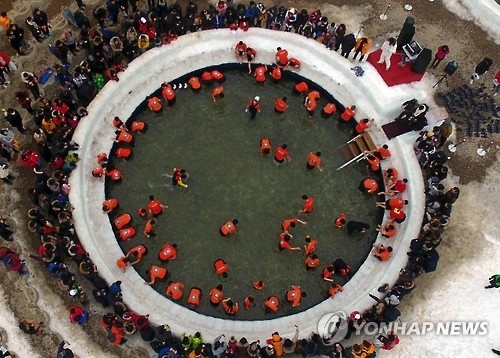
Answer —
219 146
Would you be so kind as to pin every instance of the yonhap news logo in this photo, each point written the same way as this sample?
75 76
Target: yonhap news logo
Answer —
336 326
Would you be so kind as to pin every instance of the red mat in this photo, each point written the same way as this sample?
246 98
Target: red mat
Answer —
397 74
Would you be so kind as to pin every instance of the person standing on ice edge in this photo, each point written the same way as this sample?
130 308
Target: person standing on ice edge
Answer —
388 48
253 107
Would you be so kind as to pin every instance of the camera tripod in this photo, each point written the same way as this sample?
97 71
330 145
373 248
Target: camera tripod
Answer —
441 78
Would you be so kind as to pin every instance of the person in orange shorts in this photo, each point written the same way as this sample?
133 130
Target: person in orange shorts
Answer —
381 252
149 227
155 207
329 272
328 110
312 262
230 307
229 228
308 206
259 285
340 221
348 114
294 295
168 252
276 73
265 146
260 74
168 93
221 267
154 104
281 154
248 302
109 205
156 273
387 230
194 297
314 161
240 50
310 246
368 185
174 290
217 91
334 289
216 295
290 223
250 53
301 88
194 83
280 105
272 304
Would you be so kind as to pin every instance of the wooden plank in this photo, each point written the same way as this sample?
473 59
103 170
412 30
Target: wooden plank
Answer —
346 153
361 144
369 142
354 148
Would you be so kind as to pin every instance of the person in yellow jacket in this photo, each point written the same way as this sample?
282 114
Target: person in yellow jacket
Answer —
143 42
362 46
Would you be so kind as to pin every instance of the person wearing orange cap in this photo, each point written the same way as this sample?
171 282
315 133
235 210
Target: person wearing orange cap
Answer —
312 262
310 246
240 50
194 83
230 307
308 206
156 273
301 88
340 221
368 185
168 93
281 57
168 252
272 304
265 146
276 73
253 107
348 114
149 227
216 295
194 297
280 105
155 207
109 205
328 110
122 220
281 154
217 91
314 161
221 267
260 74
229 228
127 233
248 302
154 104
250 53
294 295
174 290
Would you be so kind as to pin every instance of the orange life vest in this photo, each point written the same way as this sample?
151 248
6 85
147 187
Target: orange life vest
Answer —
154 104
127 233
122 220
194 297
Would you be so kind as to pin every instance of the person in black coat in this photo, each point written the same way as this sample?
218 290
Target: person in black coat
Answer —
348 45
481 68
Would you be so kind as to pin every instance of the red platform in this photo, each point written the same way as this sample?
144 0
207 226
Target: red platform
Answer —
396 75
